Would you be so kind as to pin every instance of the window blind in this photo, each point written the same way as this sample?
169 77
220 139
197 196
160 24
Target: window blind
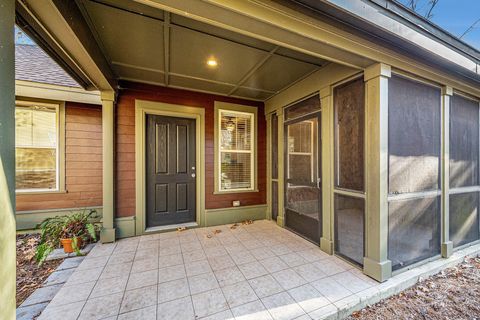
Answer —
36 143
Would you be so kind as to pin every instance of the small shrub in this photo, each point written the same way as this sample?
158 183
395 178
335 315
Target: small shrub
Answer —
77 225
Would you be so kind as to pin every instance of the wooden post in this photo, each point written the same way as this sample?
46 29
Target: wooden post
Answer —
7 160
376 263
108 123
326 102
447 245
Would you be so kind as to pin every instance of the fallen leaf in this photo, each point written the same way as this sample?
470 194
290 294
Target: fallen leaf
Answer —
180 229
217 231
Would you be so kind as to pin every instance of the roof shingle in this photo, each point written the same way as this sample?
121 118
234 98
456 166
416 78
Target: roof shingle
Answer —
33 64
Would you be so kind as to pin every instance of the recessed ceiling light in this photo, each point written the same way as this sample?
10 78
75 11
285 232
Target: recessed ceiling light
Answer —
212 62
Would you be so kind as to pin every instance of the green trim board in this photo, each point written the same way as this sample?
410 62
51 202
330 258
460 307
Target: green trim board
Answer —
30 219
125 227
214 217
142 108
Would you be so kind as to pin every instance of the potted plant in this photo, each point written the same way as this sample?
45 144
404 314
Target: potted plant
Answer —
70 231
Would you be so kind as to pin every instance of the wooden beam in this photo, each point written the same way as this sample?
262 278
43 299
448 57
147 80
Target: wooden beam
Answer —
61 22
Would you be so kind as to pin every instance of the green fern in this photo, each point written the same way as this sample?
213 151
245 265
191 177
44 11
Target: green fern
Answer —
43 250
80 224
91 231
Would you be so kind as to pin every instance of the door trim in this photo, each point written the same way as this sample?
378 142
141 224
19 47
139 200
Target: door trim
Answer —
142 108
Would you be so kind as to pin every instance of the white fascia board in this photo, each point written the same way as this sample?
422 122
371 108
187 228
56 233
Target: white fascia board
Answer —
374 16
56 92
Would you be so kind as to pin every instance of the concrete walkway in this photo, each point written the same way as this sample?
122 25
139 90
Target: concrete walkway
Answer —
257 271
39 299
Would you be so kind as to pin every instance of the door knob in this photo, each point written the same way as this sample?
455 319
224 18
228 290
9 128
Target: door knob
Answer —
193 175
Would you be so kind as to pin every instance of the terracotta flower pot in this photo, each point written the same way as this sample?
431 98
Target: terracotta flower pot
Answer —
68 244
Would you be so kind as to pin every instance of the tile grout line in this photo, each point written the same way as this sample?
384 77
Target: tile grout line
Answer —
93 288
128 279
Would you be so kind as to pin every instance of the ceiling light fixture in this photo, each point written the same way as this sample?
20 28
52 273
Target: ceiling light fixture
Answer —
212 62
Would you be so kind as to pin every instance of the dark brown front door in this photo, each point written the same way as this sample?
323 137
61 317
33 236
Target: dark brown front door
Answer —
171 169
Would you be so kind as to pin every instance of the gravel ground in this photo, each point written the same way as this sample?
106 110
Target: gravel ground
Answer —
29 275
451 294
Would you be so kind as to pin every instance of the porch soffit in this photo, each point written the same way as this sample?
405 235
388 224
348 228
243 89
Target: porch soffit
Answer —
261 47
162 48
304 30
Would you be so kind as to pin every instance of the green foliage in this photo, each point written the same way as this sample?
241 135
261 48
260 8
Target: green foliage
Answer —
76 225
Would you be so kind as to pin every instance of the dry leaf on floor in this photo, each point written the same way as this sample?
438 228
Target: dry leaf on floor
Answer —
208 236
180 229
217 231
234 226
247 222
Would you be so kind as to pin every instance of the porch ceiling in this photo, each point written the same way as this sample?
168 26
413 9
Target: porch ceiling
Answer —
149 45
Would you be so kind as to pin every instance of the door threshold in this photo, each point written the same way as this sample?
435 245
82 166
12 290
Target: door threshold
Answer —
171 227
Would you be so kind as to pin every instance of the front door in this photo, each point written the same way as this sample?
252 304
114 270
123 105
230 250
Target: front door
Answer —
170 164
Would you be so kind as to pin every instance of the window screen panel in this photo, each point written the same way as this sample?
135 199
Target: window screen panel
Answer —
274 132
413 230
464 142
349 227
303 200
303 107
413 136
349 135
36 147
464 223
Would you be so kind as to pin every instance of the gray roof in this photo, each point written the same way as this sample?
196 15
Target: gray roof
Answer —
33 64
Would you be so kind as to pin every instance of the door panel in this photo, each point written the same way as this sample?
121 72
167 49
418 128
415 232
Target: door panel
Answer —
303 205
170 164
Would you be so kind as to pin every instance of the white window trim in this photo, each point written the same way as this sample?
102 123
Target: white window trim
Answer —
60 147
240 110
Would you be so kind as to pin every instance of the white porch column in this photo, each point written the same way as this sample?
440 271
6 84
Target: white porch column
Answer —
447 245
7 160
108 230
376 263
326 102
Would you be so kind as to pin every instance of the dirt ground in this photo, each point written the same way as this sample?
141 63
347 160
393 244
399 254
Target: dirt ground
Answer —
29 275
451 294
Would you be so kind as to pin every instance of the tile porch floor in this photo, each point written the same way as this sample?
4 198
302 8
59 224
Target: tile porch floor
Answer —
257 271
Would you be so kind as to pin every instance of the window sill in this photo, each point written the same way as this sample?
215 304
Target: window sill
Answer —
235 191
32 192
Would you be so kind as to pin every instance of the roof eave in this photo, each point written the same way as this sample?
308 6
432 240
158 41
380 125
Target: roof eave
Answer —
355 17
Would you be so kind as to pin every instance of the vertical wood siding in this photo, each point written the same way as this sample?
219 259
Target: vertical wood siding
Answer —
125 144
83 163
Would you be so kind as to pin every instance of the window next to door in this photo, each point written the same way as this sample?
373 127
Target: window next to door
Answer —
37 146
235 148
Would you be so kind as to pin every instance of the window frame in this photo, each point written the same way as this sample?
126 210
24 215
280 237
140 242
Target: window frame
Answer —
59 107
241 110
310 154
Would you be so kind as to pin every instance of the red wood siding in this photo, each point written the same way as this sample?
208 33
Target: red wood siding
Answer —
83 163
125 144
